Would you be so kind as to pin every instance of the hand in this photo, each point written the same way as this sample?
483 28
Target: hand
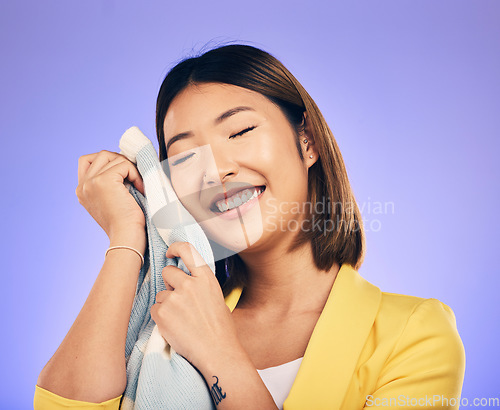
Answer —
191 314
102 193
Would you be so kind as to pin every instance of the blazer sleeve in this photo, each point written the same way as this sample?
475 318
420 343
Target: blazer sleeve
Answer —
46 400
426 368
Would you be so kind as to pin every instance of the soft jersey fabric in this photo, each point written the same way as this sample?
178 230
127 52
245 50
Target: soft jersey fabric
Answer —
279 379
158 377
369 348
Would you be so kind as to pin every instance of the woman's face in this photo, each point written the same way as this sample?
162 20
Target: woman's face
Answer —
234 139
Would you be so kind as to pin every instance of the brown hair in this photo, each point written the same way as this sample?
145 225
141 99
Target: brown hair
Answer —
254 69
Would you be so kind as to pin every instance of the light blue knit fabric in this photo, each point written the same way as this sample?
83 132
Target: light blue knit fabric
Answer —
157 376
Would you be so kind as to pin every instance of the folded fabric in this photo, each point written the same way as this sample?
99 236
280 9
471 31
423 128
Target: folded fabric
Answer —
157 376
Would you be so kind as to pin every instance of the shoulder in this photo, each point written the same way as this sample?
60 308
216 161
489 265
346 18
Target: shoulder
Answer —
393 314
413 351
46 400
405 311
415 324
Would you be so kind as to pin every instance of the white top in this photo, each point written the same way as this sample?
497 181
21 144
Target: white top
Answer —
279 379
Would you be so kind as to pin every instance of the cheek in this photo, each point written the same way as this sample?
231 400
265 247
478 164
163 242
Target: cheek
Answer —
186 177
277 146
288 179
287 168
186 189
264 153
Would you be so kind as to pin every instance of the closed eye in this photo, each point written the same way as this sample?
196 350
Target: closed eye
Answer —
181 160
242 132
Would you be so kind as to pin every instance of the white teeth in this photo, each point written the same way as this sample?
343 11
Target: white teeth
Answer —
254 195
238 199
246 197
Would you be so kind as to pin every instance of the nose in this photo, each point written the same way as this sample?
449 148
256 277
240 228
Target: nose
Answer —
220 168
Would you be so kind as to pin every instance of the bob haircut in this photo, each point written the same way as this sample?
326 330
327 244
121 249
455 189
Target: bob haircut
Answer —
340 237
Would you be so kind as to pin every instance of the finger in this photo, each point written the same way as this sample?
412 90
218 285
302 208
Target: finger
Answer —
174 277
118 160
162 296
102 158
154 311
110 164
84 163
189 255
127 170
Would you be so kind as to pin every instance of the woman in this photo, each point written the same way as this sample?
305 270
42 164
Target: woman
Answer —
320 335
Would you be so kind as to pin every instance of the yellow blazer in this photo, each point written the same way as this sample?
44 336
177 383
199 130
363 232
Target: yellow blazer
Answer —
368 349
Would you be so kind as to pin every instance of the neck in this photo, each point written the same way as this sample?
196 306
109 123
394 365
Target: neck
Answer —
281 283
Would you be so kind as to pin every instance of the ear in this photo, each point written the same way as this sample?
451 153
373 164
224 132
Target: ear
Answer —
309 148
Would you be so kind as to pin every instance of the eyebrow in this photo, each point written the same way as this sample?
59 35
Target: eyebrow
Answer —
217 121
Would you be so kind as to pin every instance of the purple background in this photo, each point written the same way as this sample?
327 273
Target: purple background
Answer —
409 89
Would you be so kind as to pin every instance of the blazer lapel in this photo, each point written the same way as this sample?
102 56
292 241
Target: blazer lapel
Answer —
335 344
233 298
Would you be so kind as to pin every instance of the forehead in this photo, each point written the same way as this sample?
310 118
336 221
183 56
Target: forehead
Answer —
204 102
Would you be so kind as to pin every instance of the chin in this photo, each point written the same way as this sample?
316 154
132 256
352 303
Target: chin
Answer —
232 234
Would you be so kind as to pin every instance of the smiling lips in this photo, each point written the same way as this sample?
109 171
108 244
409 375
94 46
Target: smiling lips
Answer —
237 199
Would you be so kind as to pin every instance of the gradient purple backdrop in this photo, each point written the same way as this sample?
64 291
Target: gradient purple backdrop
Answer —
409 89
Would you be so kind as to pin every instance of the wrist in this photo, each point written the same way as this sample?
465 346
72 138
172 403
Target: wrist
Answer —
134 239
224 357
126 257
233 380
